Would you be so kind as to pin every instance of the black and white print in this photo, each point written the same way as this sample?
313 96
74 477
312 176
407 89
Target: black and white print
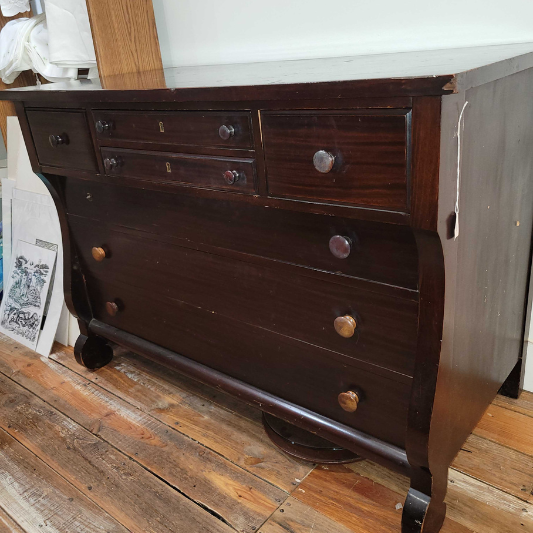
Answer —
22 309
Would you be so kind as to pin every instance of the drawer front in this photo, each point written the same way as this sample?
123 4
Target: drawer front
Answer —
62 139
297 306
208 129
384 253
298 372
202 171
338 157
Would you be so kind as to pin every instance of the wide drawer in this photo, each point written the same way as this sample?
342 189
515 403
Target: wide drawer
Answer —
208 129
384 253
225 173
355 158
62 139
296 371
283 301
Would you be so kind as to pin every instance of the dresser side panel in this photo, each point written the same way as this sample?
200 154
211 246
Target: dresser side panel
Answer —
487 265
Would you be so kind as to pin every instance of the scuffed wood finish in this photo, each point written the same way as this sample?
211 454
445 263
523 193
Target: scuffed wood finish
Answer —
510 470
508 428
33 494
96 469
219 422
126 42
244 503
524 404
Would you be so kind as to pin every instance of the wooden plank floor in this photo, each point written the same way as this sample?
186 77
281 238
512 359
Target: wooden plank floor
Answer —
136 447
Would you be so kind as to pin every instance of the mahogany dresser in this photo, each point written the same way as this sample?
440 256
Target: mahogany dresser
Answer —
344 243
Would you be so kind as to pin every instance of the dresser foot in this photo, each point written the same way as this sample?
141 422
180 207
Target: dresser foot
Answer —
304 445
92 352
422 514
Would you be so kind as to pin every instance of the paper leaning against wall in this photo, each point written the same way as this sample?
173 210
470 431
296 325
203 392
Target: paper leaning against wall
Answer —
26 294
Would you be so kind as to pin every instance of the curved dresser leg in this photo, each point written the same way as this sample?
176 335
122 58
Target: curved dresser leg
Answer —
423 513
92 352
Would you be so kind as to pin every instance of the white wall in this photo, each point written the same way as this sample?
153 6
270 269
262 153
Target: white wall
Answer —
205 32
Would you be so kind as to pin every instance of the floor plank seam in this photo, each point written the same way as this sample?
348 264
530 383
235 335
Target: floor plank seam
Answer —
147 413
6 512
82 494
502 444
524 500
201 505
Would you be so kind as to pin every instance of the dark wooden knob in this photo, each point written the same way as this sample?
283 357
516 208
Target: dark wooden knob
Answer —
226 132
323 161
56 140
111 308
103 125
340 246
231 176
345 326
349 401
98 253
111 163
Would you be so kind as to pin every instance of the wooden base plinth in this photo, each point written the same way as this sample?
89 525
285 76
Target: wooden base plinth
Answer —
304 445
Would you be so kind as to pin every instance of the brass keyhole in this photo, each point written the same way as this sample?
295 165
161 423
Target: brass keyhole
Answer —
161 127
168 168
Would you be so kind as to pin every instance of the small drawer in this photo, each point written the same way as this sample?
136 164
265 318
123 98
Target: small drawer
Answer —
208 129
62 139
345 157
298 372
200 171
368 326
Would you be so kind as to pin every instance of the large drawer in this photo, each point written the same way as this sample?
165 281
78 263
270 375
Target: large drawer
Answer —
341 157
226 173
62 139
201 128
285 302
383 253
295 371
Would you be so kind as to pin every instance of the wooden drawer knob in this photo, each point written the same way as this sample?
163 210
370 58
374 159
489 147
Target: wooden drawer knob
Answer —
103 125
111 163
98 253
340 246
111 308
323 161
56 140
345 326
349 401
226 132
231 176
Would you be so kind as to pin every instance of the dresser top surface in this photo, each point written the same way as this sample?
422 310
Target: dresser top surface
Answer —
429 72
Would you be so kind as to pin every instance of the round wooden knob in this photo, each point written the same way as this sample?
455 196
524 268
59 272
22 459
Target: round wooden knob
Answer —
103 125
323 161
345 326
226 132
349 401
111 308
110 163
98 253
56 140
340 246
231 176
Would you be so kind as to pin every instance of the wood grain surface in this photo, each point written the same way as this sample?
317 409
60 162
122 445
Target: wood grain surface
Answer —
91 448
126 42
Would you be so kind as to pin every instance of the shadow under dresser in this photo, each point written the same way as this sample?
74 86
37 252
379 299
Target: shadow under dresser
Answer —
343 243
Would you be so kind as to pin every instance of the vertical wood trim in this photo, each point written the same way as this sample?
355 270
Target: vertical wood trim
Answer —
426 162
126 42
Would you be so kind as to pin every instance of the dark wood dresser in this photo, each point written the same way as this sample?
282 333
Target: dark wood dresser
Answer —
343 243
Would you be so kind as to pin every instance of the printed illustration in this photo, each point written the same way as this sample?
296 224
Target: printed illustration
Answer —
22 309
